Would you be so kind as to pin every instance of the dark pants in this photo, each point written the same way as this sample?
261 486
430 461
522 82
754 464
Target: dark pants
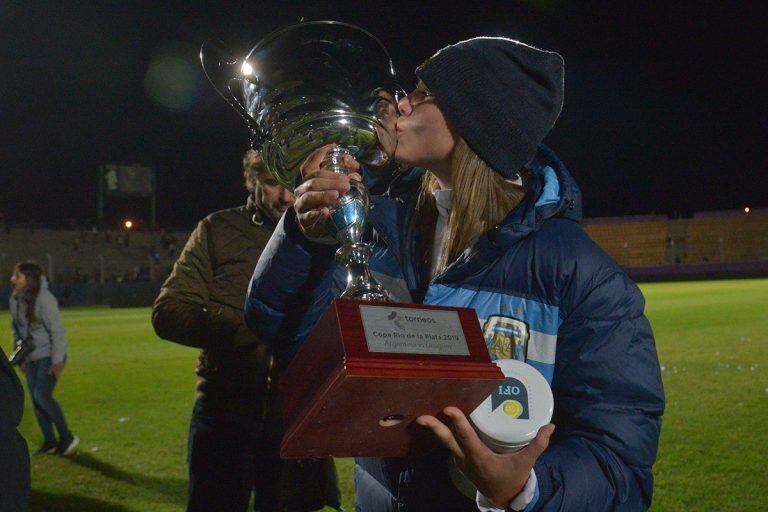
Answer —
228 460
47 410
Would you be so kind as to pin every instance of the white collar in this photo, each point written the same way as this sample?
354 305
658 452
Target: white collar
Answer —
442 200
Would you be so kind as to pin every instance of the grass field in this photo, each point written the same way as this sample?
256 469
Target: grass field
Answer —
129 397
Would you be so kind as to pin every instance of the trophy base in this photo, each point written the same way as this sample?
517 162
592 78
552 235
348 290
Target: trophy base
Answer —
369 292
361 285
354 391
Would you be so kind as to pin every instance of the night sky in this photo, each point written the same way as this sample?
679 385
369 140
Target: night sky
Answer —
665 105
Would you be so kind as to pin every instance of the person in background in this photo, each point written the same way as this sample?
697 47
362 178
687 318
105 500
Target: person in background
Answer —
493 224
36 320
233 440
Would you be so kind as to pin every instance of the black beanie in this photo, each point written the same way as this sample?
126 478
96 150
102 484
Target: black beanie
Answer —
502 96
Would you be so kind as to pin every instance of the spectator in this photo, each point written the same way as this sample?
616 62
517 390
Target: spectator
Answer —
232 448
36 320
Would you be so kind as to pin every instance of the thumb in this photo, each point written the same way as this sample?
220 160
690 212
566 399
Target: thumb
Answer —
539 443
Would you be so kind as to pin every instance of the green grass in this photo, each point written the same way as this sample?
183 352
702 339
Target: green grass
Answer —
712 339
129 395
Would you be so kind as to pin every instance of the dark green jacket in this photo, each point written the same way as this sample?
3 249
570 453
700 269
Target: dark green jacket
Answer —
201 305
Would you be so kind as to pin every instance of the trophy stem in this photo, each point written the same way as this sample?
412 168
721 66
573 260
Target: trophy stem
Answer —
361 285
347 224
334 160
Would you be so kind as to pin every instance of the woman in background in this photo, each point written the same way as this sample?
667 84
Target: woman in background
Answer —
35 317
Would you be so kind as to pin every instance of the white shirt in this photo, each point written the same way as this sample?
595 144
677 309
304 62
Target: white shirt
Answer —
443 203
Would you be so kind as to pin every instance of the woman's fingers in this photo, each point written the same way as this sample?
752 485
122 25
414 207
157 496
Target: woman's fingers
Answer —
314 161
539 443
352 165
443 433
320 191
315 200
324 180
314 164
465 433
312 223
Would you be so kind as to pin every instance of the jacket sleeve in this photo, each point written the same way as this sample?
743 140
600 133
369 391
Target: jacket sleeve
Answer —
292 285
183 312
51 320
15 333
608 405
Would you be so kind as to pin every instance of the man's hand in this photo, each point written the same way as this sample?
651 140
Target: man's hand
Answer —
320 191
56 370
499 477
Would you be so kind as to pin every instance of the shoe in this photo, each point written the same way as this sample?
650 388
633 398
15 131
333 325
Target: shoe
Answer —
68 446
47 449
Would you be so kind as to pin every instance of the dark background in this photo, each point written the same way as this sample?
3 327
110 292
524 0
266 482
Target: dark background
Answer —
664 109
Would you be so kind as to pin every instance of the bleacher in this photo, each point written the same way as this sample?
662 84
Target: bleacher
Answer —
90 256
646 245
725 237
707 242
632 241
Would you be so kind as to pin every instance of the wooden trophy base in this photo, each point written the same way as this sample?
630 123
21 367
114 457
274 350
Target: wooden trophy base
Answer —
369 370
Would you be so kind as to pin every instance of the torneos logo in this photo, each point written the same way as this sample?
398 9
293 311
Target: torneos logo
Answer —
411 319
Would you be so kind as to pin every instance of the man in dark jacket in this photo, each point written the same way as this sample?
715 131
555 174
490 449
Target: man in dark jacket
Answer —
14 469
233 449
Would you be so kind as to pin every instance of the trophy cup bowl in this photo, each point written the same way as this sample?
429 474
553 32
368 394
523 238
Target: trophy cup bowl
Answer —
308 85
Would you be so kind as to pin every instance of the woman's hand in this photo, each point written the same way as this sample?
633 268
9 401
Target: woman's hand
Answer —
499 477
56 370
320 191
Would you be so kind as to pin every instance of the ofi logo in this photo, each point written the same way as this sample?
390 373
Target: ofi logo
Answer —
397 318
513 395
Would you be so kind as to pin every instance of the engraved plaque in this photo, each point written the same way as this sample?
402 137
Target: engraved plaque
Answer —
413 331
368 370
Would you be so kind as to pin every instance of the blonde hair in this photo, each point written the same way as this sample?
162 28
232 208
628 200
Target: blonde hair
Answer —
481 198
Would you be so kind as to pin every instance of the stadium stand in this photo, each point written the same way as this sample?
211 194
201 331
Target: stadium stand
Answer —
126 267
632 241
92 255
728 236
730 243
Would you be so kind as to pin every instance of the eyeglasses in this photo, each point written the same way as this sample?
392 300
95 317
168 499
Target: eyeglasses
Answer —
385 107
412 100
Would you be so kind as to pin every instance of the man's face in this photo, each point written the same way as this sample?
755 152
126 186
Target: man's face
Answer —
273 198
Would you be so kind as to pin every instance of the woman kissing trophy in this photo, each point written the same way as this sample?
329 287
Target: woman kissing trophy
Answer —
370 366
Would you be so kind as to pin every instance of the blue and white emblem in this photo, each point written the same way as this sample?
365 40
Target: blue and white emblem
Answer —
507 337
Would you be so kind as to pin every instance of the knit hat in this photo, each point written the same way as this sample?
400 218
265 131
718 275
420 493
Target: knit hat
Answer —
502 96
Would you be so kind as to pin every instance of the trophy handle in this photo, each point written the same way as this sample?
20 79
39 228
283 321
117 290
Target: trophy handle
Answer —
223 71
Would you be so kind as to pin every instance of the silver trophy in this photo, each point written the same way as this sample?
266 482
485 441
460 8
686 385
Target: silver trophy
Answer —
308 85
